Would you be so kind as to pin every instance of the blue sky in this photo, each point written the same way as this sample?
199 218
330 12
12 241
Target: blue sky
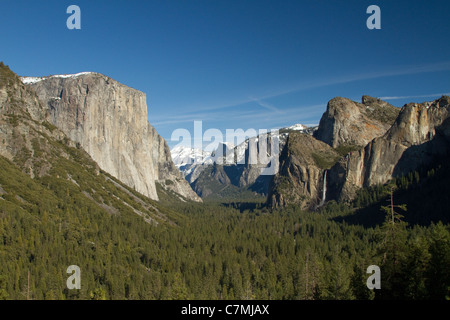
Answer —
237 63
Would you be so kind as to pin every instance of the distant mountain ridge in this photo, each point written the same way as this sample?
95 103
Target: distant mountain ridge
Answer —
207 175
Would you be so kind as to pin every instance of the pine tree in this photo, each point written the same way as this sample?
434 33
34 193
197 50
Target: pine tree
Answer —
359 286
415 267
339 279
393 249
438 273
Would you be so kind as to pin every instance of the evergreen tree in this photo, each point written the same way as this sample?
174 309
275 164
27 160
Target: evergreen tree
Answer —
393 249
438 272
359 286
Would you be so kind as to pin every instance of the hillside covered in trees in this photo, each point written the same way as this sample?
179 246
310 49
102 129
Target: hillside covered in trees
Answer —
215 251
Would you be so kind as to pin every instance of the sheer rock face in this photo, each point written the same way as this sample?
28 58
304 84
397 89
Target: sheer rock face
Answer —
420 132
109 120
300 180
390 143
346 125
346 122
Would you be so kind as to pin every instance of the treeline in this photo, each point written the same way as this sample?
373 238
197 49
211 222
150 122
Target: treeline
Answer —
210 251
221 253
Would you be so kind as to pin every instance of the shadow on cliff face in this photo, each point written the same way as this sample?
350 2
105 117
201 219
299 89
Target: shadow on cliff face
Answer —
425 191
420 155
426 196
426 153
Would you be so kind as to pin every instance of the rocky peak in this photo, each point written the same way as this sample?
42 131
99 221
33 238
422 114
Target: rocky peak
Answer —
25 133
109 120
15 98
348 123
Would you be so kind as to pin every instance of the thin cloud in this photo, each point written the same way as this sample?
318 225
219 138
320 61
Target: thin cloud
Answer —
398 71
266 105
414 97
265 117
184 118
200 113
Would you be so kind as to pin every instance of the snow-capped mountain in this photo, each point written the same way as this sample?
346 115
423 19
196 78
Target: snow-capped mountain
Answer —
182 156
192 162
297 127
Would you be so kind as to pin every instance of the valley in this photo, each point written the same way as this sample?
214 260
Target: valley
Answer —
85 180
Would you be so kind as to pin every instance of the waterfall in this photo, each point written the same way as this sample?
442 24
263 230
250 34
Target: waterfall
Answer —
324 191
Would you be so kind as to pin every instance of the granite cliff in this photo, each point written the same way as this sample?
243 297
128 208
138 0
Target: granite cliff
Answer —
420 132
369 143
45 174
109 121
300 179
345 126
349 123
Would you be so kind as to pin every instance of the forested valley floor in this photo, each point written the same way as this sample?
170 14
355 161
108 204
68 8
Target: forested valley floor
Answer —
223 251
